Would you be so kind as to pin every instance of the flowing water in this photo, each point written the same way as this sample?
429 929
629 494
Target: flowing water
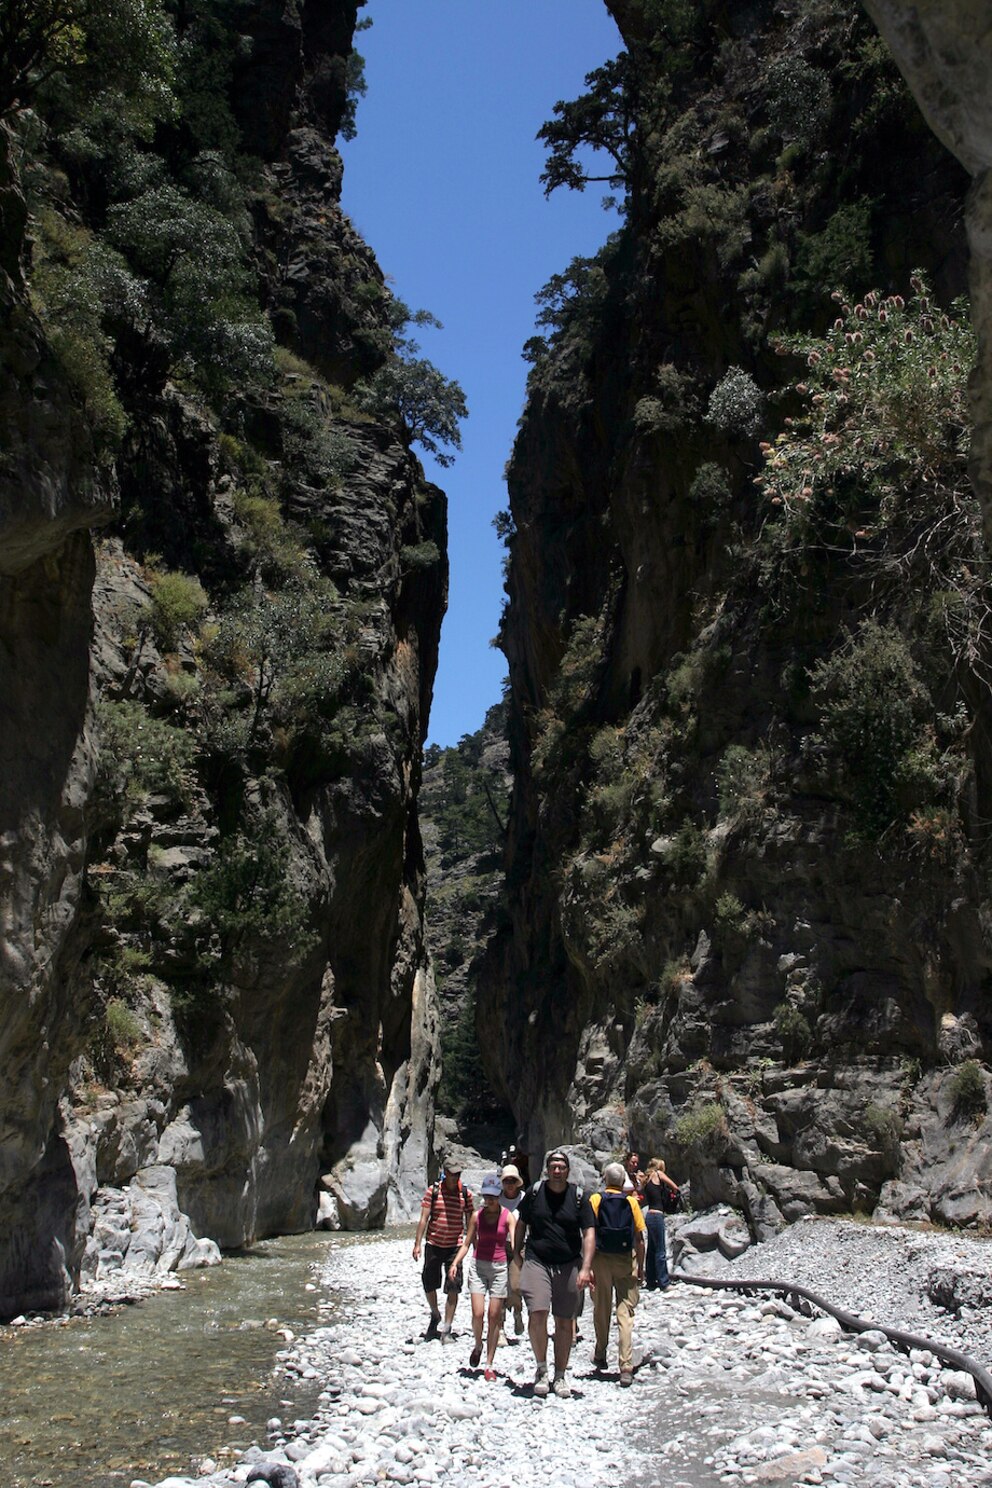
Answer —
98 1401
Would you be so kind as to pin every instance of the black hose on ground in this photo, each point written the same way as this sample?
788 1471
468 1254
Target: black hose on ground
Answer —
854 1324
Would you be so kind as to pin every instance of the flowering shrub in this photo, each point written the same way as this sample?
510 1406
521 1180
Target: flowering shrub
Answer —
736 404
885 414
874 469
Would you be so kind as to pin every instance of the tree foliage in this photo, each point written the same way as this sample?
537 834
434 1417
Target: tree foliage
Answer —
129 41
603 121
194 256
249 892
279 652
429 405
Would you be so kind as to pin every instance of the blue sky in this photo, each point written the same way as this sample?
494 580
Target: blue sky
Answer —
443 183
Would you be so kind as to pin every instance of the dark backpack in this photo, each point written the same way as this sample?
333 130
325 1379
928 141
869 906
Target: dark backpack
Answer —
671 1200
614 1225
464 1194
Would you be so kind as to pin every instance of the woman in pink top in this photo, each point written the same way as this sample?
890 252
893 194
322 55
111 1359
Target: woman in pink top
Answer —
490 1231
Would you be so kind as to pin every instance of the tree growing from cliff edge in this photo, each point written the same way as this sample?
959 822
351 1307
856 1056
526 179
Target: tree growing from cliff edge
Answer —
603 120
429 404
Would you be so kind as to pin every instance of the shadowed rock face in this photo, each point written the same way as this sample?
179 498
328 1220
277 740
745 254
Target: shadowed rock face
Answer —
310 1064
772 1002
944 49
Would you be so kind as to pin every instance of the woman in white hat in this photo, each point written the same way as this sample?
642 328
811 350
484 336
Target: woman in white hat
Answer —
512 1192
491 1232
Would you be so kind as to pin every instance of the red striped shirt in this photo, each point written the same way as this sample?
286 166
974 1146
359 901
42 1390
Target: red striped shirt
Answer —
447 1222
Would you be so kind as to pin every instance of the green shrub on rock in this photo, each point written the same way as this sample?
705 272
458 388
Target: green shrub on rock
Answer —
178 604
792 1027
122 1025
141 754
874 711
969 1097
703 1128
736 405
883 1126
250 892
742 777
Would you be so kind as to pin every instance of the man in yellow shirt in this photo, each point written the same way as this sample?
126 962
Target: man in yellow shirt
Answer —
618 1266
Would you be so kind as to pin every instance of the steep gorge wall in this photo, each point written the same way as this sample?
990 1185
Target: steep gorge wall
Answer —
745 931
214 982
945 54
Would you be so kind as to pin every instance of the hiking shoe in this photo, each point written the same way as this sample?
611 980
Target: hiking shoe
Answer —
445 1333
490 1375
475 1356
561 1387
433 1325
501 1339
626 1378
541 1385
599 1361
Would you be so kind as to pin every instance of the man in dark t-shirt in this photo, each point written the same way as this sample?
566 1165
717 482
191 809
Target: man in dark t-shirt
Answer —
560 1230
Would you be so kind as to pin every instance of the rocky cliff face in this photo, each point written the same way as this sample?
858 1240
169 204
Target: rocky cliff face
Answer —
945 54
747 864
220 605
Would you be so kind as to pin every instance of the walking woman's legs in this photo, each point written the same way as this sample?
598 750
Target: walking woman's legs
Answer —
496 1306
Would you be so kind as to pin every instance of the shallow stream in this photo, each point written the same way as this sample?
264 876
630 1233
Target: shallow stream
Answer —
98 1401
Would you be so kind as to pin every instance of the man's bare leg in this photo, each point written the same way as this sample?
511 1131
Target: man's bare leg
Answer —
563 1343
450 1303
537 1327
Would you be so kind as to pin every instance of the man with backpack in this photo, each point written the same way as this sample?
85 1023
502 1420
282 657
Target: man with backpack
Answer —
618 1266
559 1226
445 1211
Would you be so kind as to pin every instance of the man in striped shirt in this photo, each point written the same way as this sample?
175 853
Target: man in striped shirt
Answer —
444 1215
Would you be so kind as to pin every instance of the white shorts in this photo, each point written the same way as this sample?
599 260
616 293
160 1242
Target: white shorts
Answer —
487 1276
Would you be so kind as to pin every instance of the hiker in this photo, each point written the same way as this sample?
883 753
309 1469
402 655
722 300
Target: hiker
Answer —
491 1233
512 1192
633 1177
516 1157
445 1211
558 1225
618 1266
656 1184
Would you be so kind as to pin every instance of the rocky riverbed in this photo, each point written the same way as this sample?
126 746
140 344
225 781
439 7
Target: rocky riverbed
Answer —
727 1389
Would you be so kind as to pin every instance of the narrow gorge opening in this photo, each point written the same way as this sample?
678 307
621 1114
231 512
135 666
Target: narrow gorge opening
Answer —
734 909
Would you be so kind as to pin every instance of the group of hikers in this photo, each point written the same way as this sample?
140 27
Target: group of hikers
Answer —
545 1246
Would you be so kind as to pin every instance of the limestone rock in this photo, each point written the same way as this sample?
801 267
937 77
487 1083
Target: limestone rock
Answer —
300 1064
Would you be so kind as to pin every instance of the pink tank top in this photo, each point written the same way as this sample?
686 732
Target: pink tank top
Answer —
491 1244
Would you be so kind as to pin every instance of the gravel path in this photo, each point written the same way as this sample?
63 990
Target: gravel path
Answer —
926 1281
727 1390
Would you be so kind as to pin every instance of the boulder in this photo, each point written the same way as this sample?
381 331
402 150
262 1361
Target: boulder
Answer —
328 1217
721 1229
360 1184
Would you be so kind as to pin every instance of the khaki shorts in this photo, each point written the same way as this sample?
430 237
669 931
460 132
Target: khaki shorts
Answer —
551 1289
487 1276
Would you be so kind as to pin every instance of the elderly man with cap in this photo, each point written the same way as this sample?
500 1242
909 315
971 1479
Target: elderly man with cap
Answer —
618 1265
445 1211
559 1226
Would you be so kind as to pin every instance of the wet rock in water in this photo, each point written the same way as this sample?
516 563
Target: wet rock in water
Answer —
198 1254
276 1474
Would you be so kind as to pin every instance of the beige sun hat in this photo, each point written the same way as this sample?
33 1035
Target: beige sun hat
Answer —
511 1172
